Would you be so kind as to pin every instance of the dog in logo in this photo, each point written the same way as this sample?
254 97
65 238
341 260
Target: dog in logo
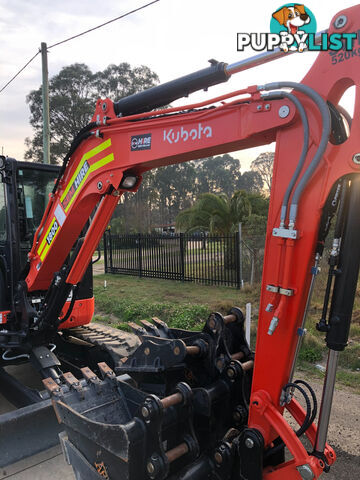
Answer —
292 18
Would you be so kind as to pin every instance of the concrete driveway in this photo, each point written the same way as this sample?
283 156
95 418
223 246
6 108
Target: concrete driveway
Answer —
45 465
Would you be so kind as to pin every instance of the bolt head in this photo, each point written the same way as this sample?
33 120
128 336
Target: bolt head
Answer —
219 363
218 458
356 158
150 468
305 472
259 107
230 373
340 21
145 412
177 351
249 443
284 111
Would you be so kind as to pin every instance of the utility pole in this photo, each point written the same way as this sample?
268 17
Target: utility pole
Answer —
45 102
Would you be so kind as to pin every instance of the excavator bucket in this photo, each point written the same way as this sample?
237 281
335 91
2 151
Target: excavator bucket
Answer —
104 439
168 410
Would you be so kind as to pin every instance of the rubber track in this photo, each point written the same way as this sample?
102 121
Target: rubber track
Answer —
117 343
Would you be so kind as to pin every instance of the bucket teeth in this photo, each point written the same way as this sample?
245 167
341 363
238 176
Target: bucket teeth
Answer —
162 327
91 378
150 328
137 329
155 328
106 371
51 386
73 383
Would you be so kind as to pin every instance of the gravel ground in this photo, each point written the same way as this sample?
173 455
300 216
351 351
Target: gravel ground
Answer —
344 432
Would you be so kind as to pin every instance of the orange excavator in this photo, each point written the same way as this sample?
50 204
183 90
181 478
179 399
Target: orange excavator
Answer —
174 404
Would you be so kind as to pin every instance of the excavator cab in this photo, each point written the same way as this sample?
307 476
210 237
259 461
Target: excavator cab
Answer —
24 195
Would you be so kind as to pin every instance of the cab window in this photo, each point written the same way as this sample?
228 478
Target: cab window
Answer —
34 187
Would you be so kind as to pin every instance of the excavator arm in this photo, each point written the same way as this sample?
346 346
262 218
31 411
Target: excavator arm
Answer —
316 172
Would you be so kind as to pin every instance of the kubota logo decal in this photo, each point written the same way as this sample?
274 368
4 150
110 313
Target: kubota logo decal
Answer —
174 135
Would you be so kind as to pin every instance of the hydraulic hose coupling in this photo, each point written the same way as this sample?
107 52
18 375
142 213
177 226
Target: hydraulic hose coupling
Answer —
273 324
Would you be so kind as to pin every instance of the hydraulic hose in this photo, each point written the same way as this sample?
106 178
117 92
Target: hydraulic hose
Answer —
315 404
82 135
71 306
304 119
325 134
309 417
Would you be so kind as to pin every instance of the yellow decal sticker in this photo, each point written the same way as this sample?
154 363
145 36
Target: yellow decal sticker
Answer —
82 172
71 191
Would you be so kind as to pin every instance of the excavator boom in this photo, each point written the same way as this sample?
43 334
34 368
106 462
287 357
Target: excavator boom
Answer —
316 173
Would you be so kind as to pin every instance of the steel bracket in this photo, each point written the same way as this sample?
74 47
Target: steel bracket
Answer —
285 233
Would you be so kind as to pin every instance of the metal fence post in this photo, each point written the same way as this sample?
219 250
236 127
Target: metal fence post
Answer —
237 259
240 255
140 254
182 257
252 268
110 253
105 253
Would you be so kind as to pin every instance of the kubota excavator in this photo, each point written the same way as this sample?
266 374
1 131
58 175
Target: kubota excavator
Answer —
178 404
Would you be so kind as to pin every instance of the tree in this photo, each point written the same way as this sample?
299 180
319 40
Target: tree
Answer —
118 81
251 182
219 174
166 191
259 204
72 96
263 165
215 213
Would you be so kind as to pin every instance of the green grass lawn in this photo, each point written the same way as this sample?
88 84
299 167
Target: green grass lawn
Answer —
187 305
182 305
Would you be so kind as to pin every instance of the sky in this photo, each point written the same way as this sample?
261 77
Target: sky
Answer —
172 37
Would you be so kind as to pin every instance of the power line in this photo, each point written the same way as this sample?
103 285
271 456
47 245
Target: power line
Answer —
103 24
78 35
21 69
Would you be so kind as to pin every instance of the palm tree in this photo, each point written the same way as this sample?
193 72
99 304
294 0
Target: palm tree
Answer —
217 214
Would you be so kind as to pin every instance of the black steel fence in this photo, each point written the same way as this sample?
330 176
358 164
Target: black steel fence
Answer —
211 259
